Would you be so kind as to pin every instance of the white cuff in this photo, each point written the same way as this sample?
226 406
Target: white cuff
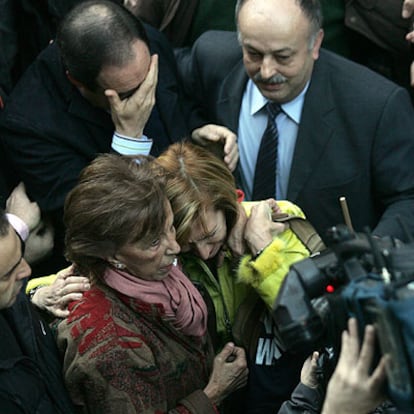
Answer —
19 226
131 146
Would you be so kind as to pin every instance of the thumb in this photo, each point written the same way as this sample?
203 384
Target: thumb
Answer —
21 187
278 228
315 357
227 350
113 98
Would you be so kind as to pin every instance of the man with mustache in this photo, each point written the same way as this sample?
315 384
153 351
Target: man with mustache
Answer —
342 130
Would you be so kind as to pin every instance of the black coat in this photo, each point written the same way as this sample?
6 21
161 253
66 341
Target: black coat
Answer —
30 368
27 27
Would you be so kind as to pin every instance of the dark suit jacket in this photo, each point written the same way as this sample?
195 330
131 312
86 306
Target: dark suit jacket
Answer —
31 378
355 139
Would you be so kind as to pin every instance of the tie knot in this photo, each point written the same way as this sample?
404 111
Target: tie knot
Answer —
273 109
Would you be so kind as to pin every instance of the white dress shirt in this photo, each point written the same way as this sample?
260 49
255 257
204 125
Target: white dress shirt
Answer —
252 124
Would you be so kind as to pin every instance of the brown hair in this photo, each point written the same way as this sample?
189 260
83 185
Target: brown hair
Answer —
118 200
196 180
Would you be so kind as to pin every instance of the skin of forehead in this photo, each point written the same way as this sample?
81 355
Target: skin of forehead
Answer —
284 15
130 74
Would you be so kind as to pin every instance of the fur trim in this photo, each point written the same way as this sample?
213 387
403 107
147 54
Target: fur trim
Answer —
254 272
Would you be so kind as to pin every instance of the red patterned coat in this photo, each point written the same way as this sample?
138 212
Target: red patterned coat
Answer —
121 356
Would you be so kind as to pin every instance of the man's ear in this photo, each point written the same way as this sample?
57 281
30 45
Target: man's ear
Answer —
317 44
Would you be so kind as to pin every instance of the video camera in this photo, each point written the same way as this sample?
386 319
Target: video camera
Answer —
371 279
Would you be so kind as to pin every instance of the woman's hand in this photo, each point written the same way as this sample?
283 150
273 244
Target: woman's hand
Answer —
229 373
66 288
260 228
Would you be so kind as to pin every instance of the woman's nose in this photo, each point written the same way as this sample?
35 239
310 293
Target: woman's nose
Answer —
204 251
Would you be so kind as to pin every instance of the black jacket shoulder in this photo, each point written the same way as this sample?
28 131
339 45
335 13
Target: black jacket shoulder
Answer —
30 368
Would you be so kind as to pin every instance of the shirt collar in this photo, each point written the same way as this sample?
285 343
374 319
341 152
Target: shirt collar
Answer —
293 108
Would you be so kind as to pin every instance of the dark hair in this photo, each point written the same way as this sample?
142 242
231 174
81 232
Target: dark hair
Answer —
94 34
4 223
310 8
117 201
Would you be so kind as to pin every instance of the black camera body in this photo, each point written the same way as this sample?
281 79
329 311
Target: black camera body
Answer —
357 276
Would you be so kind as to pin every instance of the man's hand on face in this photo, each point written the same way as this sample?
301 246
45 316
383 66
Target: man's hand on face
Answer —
131 114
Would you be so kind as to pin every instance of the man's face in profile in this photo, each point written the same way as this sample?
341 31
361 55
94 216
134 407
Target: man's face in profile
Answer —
13 268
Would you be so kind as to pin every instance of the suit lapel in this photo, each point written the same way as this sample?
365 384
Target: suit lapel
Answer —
230 97
166 101
315 129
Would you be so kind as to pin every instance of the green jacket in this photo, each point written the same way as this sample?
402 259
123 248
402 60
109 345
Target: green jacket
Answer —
236 280
226 292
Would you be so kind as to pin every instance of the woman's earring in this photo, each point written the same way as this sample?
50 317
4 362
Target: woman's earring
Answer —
119 265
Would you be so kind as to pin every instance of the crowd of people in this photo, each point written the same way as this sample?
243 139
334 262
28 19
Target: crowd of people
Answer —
161 178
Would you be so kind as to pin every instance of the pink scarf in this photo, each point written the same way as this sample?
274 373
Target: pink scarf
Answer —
182 302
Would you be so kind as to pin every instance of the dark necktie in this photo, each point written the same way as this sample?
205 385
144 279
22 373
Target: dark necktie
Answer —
266 164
